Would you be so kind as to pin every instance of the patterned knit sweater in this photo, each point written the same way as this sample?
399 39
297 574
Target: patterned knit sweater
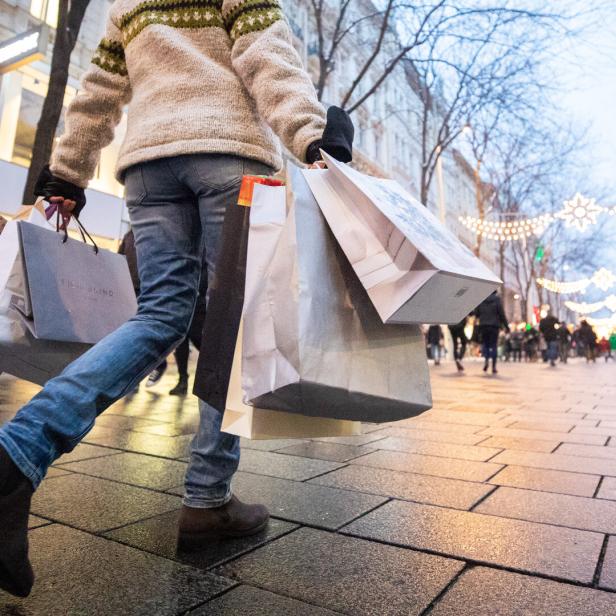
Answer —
199 76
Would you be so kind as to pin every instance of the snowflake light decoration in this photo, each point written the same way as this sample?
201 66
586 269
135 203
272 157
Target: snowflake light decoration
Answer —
580 212
604 279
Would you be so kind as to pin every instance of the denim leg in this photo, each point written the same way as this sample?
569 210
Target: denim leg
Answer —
215 455
167 229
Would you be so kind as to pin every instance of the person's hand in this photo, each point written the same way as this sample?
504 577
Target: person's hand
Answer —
337 138
67 197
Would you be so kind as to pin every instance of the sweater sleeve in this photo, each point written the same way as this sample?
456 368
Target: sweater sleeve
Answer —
269 66
92 116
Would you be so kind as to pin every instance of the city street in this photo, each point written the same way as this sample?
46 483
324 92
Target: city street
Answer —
500 500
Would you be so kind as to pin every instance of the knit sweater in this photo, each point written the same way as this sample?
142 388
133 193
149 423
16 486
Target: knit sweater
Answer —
199 76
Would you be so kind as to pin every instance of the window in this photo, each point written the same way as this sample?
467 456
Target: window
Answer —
46 10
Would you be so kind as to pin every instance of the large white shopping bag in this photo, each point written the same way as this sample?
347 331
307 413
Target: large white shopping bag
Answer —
313 343
413 268
21 354
257 423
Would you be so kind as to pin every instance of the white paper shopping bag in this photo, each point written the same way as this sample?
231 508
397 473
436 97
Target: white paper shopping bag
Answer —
257 423
413 268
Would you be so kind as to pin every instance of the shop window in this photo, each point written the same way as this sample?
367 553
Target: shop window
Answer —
29 113
46 10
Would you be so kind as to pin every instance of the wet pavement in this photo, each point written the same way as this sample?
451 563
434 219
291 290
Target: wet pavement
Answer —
500 500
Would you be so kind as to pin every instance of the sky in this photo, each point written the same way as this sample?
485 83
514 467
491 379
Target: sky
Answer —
589 71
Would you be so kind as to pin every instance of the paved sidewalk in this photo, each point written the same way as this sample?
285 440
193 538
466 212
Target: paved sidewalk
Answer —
500 500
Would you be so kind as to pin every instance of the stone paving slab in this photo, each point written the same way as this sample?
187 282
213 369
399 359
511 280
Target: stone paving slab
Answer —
34 522
345 574
140 442
557 462
563 437
558 509
565 553
489 592
315 505
542 426
158 535
81 574
587 451
438 424
608 572
561 482
248 601
408 486
270 444
96 505
139 470
333 452
430 465
444 450
466 438
85 452
286 467
608 488
524 444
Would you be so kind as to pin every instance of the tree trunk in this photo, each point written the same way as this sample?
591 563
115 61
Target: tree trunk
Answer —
480 209
69 23
501 255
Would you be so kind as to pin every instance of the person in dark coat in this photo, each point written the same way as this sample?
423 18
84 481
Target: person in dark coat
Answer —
491 318
549 327
435 336
459 342
564 342
589 339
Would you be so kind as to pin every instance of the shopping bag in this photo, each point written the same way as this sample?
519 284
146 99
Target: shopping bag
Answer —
73 292
21 354
313 344
413 268
257 423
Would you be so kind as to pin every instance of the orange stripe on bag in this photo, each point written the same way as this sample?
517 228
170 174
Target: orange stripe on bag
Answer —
248 184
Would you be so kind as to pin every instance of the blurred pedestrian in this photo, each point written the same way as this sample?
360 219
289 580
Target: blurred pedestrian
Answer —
460 340
517 338
612 341
549 327
589 340
435 339
604 347
491 318
564 342
205 107
531 343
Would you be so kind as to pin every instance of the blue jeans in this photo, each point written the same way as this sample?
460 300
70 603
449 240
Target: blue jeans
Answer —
553 350
176 207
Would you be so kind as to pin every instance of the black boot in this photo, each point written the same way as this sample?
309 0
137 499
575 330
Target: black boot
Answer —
485 366
494 370
16 576
181 389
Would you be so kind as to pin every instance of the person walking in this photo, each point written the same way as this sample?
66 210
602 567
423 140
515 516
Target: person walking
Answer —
491 318
564 342
460 341
589 340
549 326
517 339
435 339
204 105
612 341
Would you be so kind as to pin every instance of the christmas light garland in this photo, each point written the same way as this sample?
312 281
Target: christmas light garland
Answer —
585 308
579 212
603 279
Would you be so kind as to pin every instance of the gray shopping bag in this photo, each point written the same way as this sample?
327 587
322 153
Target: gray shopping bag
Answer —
72 293
313 343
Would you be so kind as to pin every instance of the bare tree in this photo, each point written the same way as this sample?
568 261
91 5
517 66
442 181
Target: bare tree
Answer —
70 17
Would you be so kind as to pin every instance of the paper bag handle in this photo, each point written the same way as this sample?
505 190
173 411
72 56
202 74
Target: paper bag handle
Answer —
54 209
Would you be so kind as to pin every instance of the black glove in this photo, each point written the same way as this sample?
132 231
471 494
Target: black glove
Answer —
48 185
337 138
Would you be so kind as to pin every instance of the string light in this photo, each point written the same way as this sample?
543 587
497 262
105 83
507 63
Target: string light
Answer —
584 308
578 212
603 279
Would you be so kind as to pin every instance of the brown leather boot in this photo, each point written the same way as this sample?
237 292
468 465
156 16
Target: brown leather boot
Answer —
16 575
233 519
